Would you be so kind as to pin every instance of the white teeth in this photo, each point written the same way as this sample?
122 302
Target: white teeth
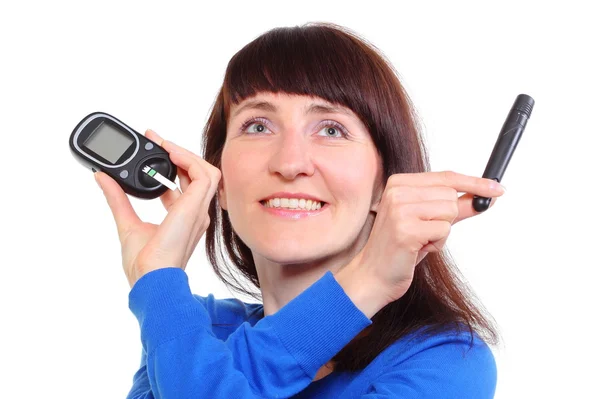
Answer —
293 203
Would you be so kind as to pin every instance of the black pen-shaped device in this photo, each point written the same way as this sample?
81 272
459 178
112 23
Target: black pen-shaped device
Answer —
507 141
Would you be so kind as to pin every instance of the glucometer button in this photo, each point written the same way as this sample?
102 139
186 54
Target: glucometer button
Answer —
149 146
124 174
158 164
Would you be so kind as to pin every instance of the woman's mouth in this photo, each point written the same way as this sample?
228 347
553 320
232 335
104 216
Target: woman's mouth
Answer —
293 204
294 208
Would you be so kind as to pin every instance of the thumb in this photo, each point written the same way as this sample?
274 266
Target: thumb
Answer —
120 206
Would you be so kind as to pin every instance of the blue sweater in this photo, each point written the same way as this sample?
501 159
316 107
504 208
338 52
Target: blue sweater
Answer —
202 347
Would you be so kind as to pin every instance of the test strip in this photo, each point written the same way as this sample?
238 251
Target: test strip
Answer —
160 178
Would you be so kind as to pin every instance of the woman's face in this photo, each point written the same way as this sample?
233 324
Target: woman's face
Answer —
290 143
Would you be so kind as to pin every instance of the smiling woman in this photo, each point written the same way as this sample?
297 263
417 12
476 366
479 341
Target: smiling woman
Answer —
326 205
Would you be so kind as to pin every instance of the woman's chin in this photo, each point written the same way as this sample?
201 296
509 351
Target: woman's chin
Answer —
290 253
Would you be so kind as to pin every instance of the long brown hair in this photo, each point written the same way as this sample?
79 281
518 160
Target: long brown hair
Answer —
332 62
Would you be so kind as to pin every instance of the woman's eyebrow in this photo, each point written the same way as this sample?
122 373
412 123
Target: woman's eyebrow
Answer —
312 109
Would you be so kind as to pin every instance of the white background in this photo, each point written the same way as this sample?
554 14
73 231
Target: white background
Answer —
66 330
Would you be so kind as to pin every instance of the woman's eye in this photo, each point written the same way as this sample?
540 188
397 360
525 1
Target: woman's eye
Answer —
260 128
331 131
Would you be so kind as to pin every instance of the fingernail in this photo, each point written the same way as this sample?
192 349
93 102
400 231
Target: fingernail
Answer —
498 187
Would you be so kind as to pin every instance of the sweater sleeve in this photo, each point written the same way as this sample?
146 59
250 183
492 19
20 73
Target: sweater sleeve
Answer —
277 357
447 368
141 385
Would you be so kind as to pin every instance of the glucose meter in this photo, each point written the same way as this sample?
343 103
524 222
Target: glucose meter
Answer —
101 142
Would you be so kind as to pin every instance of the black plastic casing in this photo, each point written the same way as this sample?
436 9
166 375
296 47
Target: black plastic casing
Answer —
127 170
505 146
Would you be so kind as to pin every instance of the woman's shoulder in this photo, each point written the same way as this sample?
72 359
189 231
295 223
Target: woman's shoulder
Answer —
459 343
454 360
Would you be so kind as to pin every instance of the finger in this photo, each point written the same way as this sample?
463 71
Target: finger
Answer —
173 148
415 194
120 206
435 210
184 179
434 234
170 147
411 194
432 246
169 198
196 167
435 246
461 183
152 135
187 217
465 207
194 202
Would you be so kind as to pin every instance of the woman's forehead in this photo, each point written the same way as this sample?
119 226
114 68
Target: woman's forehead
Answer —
273 102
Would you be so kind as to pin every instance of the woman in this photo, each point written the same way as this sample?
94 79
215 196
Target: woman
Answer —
358 299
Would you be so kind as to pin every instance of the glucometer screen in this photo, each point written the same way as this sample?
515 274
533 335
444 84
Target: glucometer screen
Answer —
108 142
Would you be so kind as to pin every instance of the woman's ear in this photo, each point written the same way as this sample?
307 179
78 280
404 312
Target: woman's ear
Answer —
377 194
221 195
375 203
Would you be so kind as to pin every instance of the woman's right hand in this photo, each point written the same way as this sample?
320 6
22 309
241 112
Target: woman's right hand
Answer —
414 217
145 246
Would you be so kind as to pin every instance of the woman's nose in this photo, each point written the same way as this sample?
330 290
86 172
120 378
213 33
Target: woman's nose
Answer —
291 155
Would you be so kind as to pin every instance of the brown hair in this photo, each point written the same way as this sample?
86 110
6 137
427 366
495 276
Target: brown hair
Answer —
333 63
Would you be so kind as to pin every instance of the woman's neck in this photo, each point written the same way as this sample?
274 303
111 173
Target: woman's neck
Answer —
280 284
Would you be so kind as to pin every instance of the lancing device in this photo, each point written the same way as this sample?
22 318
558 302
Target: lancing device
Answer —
507 141
101 142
